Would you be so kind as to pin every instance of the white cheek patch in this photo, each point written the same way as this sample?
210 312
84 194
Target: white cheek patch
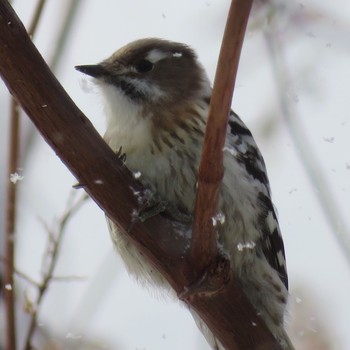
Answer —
156 55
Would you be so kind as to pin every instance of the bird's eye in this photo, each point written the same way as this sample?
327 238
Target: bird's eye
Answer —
144 66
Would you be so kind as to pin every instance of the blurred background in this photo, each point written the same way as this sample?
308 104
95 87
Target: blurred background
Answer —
292 91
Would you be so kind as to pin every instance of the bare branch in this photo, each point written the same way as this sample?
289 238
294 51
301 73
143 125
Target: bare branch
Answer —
54 244
203 244
68 278
36 17
53 248
11 206
227 313
21 274
10 220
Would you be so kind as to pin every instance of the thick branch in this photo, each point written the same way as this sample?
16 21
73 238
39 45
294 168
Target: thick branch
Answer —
227 312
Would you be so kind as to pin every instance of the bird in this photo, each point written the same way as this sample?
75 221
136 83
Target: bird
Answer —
156 96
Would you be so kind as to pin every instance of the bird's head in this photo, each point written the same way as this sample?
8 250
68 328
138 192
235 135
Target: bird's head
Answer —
152 71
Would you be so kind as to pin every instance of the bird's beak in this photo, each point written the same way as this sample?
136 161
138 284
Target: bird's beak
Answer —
94 70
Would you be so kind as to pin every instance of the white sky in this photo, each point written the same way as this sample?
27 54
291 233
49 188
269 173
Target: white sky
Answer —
109 306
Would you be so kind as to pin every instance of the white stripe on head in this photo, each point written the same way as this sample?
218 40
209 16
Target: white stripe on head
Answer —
156 55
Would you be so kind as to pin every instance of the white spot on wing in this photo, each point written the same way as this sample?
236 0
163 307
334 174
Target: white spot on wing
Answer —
280 258
242 147
271 222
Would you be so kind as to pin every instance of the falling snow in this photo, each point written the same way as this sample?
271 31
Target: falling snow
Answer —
248 245
137 174
218 218
329 139
134 214
15 177
8 286
177 54
71 335
230 150
85 85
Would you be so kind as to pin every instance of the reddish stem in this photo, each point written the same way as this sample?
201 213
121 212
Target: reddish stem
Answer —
203 244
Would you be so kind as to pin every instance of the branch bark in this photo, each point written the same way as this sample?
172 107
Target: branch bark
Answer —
204 244
228 313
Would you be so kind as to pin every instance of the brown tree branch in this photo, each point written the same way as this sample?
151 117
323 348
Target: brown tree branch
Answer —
203 243
228 313
10 221
14 145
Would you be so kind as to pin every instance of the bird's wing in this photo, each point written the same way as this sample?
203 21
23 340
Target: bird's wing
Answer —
248 155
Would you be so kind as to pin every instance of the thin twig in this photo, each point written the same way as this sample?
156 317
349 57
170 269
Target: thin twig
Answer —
10 222
53 249
21 274
68 278
71 13
36 17
26 278
203 244
9 293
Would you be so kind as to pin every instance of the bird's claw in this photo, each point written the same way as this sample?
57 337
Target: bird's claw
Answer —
121 155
